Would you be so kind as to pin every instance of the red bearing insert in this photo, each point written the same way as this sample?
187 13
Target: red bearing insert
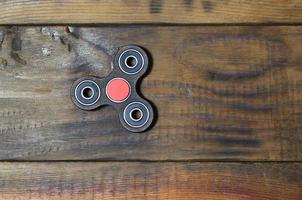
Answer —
118 90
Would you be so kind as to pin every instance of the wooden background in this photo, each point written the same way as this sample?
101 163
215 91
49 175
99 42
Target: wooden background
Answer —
226 80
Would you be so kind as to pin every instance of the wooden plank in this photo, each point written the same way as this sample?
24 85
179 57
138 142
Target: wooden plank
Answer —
150 11
150 181
221 93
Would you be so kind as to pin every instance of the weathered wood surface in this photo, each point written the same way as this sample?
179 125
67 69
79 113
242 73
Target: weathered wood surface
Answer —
221 93
150 181
150 11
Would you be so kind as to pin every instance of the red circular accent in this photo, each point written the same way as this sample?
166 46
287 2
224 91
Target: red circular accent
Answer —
118 90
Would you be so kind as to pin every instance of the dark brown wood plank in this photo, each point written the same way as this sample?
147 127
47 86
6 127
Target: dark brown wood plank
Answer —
150 11
150 181
221 93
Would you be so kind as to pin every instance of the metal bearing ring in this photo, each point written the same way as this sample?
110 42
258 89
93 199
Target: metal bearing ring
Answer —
132 60
136 114
87 93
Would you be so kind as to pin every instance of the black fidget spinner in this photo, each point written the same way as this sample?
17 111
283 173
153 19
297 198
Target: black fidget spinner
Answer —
118 89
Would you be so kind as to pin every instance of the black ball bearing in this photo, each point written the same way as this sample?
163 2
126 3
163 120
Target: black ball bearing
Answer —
86 94
132 60
136 114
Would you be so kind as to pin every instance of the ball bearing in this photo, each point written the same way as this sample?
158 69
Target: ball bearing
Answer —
136 114
132 60
86 94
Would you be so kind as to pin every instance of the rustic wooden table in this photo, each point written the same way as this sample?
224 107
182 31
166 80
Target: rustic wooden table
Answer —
226 79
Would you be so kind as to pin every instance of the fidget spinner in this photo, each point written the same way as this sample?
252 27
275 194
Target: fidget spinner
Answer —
118 89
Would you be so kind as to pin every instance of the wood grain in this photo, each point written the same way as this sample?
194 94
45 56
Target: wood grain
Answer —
150 11
150 181
222 93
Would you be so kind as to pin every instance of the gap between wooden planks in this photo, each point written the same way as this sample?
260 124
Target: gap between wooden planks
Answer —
114 180
150 11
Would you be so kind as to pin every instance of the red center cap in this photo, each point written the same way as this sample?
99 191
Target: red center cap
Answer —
118 90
